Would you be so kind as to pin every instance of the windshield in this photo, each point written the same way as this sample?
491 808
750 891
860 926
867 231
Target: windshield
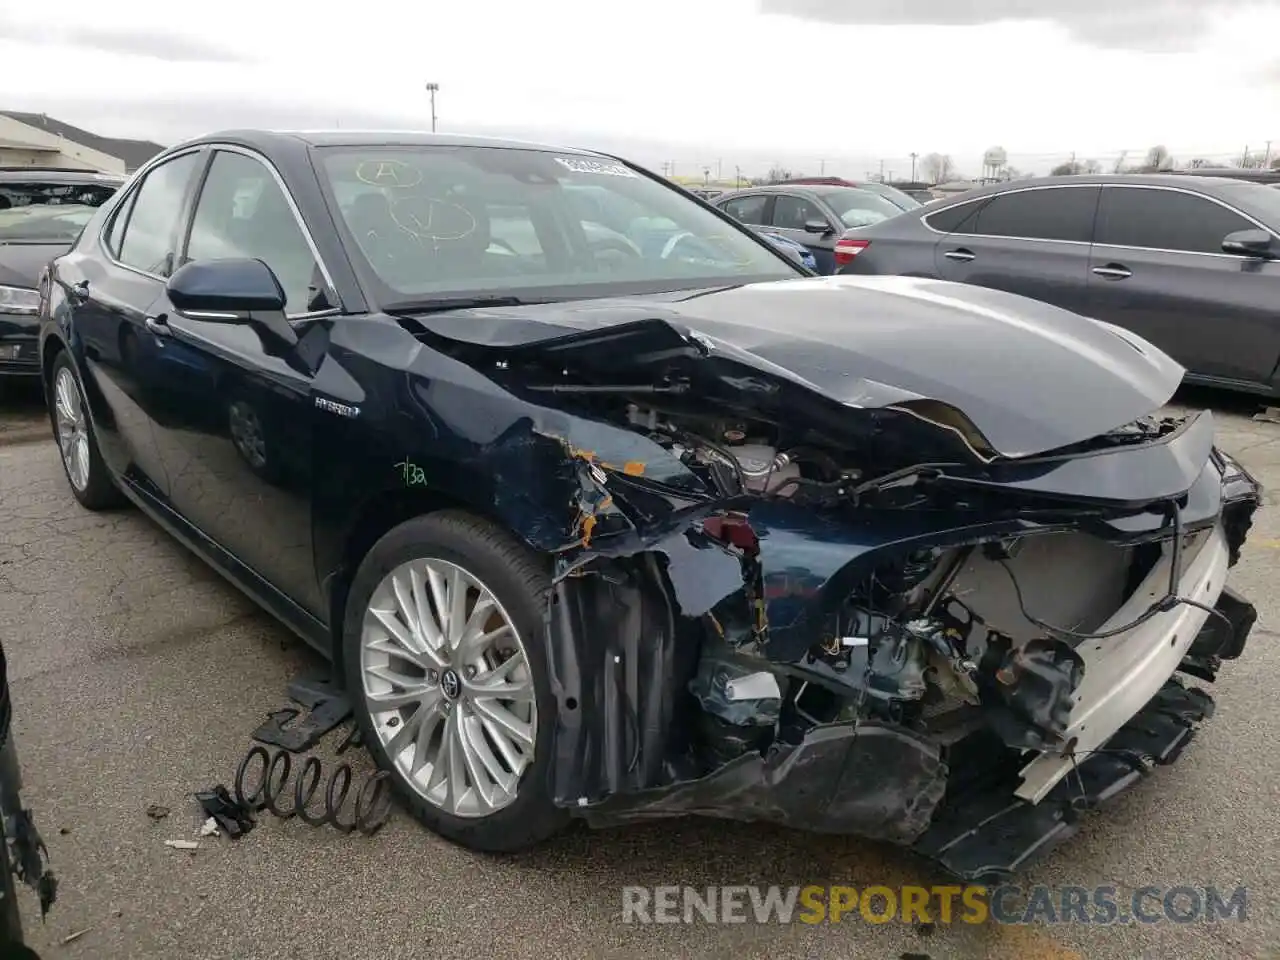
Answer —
437 222
52 212
859 208
1260 200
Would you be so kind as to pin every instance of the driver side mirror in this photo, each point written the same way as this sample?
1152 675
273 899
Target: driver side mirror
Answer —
1249 243
239 290
817 226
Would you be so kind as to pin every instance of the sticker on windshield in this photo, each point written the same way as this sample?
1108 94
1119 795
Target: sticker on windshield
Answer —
604 168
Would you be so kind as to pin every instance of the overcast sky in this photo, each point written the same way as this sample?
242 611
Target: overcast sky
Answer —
698 82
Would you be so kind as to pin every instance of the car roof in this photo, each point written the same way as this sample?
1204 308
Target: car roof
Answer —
265 139
28 174
1130 179
792 188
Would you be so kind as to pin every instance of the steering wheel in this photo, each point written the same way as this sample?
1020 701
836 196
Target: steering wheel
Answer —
674 241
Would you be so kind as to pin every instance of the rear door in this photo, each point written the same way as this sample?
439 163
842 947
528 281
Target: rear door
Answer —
1033 242
123 361
789 215
1157 268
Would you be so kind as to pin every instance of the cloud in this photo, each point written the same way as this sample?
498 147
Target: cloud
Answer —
154 44
1148 25
170 121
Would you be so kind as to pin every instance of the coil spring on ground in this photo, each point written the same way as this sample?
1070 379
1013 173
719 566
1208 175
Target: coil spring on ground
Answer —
372 805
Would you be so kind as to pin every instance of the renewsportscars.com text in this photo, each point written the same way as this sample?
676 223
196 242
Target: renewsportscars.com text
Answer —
972 904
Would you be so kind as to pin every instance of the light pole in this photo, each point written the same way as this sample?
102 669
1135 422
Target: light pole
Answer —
432 90
913 166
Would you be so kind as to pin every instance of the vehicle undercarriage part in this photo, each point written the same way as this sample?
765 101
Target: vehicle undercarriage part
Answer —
372 804
328 707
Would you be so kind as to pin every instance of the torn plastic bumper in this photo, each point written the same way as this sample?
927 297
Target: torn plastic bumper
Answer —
985 833
873 779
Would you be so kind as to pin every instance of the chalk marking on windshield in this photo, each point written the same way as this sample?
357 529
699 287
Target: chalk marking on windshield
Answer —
388 173
409 209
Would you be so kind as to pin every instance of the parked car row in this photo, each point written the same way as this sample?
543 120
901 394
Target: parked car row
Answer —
813 216
42 211
604 507
1189 261
1192 264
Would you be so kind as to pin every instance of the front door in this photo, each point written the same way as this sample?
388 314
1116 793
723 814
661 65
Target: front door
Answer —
790 214
1032 242
238 448
1158 268
117 295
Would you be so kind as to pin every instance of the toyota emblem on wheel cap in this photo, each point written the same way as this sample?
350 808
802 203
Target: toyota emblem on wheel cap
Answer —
450 684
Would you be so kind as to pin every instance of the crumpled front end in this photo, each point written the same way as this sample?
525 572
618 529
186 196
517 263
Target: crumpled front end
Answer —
957 664
771 605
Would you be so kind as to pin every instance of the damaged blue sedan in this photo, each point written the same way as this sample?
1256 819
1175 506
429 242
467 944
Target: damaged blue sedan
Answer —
602 508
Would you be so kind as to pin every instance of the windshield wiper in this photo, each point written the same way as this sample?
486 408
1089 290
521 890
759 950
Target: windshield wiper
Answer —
442 304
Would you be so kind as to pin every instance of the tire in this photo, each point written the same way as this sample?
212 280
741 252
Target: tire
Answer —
520 583
99 491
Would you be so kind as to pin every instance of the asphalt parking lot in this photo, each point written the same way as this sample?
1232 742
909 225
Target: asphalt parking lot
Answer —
137 676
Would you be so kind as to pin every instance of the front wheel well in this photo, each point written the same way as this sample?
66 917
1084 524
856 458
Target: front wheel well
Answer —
52 347
379 515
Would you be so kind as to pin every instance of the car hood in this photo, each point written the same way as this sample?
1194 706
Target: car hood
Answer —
21 263
1028 377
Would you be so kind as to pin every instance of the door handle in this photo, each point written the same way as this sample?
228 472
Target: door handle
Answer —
1113 271
963 255
159 325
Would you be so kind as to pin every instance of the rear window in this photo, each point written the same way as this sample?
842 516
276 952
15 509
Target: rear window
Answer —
41 212
37 193
957 219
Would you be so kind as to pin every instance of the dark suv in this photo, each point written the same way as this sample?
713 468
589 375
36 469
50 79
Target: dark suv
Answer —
1189 263
42 211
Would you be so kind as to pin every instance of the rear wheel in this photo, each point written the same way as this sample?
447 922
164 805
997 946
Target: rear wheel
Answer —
447 673
90 482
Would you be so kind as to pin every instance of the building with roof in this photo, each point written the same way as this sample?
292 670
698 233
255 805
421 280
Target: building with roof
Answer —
34 139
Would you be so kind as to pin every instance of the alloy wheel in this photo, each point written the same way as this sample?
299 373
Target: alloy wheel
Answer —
448 687
72 427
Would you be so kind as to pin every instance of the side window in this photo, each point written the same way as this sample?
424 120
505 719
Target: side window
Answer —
118 221
747 209
1164 220
148 241
1057 213
958 219
791 213
242 212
